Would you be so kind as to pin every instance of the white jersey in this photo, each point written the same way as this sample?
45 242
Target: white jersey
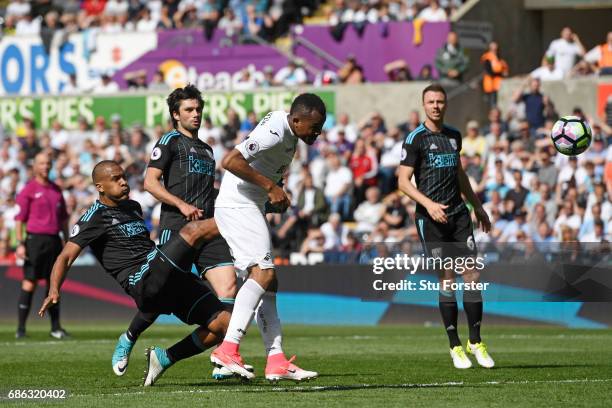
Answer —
269 149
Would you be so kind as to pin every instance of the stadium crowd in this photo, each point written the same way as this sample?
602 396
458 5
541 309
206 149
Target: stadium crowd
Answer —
344 188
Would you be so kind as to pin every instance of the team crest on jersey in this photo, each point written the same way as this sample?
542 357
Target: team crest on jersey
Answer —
75 231
156 153
404 154
453 143
252 147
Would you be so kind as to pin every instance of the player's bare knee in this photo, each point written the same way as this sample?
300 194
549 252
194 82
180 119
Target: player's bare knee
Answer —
28 285
190 233
264 277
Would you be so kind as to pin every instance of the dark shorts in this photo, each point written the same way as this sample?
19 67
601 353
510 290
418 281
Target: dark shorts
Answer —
163 285
453 239
41 253
214 253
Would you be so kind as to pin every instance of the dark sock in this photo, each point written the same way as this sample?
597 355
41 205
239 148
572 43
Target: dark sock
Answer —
140 323
472 303
449 313
188 347
54 312
23 308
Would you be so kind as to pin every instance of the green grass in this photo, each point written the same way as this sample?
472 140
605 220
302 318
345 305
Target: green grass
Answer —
358 366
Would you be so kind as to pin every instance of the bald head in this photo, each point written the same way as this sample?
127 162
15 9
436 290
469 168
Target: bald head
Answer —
103 169
42 166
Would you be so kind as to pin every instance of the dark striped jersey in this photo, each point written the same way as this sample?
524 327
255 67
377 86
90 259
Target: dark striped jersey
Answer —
117 236
188 169
435 157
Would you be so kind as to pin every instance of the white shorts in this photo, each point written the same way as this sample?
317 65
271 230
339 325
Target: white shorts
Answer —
247 233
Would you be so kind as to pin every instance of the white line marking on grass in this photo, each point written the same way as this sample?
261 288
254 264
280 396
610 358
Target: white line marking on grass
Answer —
354 387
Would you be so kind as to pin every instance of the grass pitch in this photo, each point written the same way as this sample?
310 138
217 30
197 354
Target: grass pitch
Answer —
358 366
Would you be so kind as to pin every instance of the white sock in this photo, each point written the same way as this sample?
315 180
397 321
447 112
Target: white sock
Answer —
244 307
269 324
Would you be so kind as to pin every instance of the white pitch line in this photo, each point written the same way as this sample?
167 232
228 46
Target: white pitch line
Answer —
355 387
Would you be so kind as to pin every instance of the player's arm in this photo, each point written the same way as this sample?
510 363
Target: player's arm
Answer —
235 163
153 184
466 189
435 210
63 262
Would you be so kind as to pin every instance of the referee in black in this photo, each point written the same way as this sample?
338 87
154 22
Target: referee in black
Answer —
431 154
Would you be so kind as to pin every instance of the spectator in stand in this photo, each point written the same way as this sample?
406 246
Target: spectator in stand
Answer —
338 187
495 68
325 77
351 72
474 143
398 71
518 194
370 212
364 171
334 232
425 74
601 56
291 75
566 50
535 103
395 215
311 205
547 171
157 82
343 124
231 26
451 61
433 13
548 71
106 85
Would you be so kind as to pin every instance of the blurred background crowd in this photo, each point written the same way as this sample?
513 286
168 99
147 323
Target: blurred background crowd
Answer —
344 188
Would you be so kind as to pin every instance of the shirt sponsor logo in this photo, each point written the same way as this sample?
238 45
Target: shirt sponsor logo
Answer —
38 195
442 160
200 166
133 228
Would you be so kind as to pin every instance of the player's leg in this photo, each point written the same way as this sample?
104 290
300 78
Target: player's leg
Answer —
216 265
48 255
431 235
472 299
140 322
278 367
189 299
28 286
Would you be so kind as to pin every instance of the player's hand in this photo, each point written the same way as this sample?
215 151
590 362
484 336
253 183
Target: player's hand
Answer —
20 252
278 198
190 212
436 212
482 219
49 301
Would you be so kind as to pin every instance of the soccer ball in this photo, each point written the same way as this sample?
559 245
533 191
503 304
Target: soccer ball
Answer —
571 135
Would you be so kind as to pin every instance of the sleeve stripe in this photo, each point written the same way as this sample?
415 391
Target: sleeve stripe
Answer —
87 216
412 134
167 137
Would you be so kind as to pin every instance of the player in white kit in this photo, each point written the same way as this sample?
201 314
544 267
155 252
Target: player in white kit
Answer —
254 167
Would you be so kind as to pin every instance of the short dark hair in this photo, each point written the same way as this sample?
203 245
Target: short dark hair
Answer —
96 173
433 88
181 94
306 103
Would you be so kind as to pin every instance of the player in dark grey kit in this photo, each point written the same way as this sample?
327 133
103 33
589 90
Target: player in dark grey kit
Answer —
431 154
157 278
181 174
